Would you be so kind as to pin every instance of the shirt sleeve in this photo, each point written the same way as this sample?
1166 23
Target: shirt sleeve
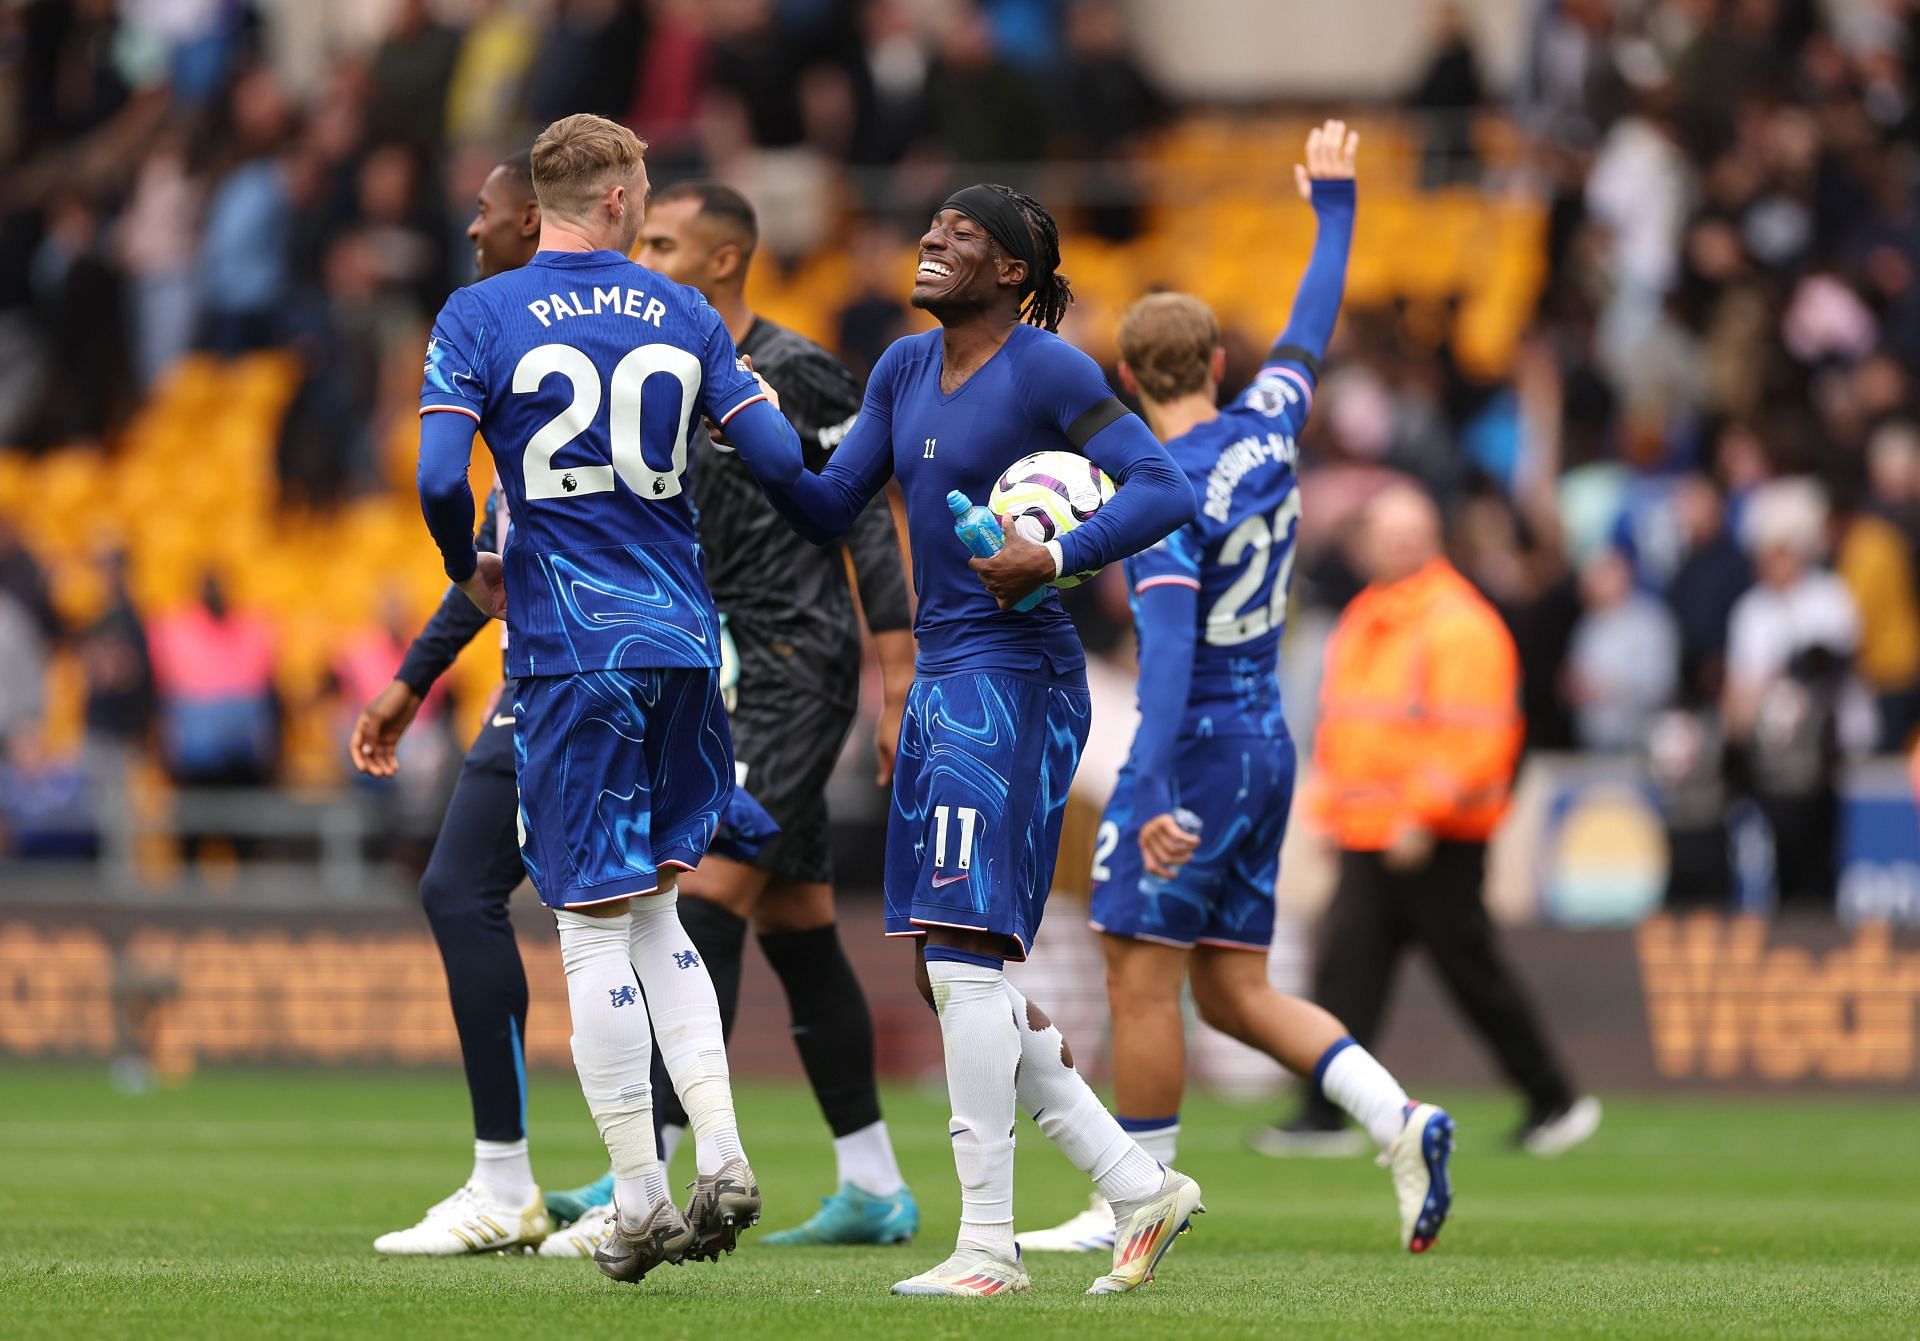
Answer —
446 499
731 397
1064 390
1172 562
822 506
1165 614
726 387
1283 388
445 636
454 376
452 624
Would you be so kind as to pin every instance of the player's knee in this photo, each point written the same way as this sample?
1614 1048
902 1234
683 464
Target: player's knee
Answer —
1134 995
787 908
441 897
1223 1007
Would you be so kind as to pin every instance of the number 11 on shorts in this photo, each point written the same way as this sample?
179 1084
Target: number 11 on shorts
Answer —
968 817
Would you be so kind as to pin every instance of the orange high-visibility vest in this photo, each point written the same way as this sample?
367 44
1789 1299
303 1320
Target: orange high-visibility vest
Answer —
1419 714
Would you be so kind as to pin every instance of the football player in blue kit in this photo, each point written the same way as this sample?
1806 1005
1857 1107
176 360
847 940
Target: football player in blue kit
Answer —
475 864
587 374
999 711
1188 851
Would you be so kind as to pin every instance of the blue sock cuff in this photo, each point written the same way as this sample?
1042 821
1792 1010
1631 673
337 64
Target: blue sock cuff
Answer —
1138 1125
946 954
1334 1049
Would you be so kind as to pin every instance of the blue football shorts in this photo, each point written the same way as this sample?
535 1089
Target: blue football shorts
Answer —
622 773
1237 790
979 792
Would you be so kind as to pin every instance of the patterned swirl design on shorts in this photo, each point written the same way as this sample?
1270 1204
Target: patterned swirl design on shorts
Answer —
620 772
1240 788
980 789
656 614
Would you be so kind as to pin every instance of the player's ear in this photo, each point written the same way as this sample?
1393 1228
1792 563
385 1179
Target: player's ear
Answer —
1128 382
530 219
727 258
1013 270
1217 364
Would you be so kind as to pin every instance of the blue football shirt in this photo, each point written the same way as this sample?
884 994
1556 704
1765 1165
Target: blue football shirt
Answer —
588 375
1237 554
1037 393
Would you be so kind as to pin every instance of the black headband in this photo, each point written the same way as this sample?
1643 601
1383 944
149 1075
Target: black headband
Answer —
1005 222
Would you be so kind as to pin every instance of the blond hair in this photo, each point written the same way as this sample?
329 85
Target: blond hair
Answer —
579 158
1168 340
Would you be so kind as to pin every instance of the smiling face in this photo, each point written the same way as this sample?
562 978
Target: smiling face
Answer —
962 270
506 224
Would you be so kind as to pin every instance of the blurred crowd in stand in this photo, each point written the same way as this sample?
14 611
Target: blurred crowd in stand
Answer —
1694 494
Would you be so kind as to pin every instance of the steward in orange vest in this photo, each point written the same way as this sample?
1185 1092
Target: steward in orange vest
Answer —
1420 720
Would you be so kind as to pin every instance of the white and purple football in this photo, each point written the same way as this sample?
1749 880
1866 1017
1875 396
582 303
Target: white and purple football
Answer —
1047 494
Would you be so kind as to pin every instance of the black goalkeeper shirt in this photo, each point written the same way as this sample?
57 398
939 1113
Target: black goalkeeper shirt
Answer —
787 602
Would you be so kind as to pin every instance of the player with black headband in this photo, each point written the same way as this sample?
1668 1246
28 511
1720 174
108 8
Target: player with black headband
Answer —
790 614
999 711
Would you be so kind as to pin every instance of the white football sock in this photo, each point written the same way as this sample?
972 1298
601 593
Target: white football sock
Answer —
865 1159
1349 1075
686 1020
613 1052
982 1046
1073 1117
1158 1137
670 1137
504 1170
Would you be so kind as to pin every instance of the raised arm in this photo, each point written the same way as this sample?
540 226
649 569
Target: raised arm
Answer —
1326 182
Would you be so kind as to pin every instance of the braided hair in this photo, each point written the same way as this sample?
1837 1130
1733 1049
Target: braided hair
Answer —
1049 297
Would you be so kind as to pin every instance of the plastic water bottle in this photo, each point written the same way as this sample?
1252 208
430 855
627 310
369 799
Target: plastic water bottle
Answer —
979 530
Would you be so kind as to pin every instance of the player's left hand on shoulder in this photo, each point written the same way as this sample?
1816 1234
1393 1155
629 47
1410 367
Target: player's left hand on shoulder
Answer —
1332 152
1017 570
1165 846
486 587
766 387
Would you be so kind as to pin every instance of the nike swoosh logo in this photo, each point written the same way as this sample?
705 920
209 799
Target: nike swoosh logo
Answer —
942 881
504 719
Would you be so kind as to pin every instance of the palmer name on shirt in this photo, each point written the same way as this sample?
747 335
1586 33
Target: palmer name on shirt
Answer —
614 298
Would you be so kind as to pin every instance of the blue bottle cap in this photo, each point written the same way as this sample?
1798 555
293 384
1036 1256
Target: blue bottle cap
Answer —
958 502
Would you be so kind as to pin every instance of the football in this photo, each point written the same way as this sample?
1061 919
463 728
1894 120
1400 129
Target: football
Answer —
1047 494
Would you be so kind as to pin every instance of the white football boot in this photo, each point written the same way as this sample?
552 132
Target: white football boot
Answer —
1564 1130
1418 1158
1145 1229
1091 1231
583 1236
971 1272
472 1220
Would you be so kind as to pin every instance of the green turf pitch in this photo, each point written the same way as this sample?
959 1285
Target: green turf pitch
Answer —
243 1205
